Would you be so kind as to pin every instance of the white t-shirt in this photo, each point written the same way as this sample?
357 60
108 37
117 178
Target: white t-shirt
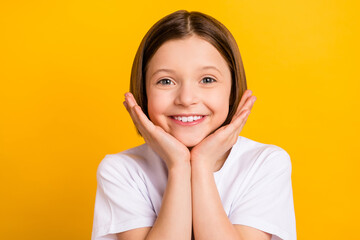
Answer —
254 185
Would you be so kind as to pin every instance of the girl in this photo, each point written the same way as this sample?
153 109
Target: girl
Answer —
195 177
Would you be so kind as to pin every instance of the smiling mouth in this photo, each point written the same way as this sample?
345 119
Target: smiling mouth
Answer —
188 120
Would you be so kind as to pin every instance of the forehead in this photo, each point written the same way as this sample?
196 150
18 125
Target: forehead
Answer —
187 55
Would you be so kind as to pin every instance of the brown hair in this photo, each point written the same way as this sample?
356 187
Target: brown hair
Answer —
179 25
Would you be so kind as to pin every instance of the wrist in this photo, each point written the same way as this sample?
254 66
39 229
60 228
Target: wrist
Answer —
201 166
182 167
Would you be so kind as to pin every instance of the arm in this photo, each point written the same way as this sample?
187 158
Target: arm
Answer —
174 220
209 218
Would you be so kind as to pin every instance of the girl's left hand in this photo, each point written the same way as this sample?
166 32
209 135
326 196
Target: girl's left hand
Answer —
214 147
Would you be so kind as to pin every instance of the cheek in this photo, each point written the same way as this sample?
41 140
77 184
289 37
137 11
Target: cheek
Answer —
219 104
222 110
156 107
153 108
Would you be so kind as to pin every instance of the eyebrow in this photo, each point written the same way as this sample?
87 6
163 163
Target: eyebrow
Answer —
173 71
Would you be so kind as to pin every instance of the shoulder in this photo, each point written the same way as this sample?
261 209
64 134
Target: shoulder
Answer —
262 155
129 162
263 198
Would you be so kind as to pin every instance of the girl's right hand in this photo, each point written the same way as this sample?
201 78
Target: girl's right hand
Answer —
172 151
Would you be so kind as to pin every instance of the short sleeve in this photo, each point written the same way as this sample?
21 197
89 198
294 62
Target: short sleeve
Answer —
267 204
122 202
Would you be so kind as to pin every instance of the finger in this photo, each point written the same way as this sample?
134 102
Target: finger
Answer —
136 121
126 106
130 105
139 118
242 119
248 105
130 100
143 119
229 133
238 122
249 101
244 97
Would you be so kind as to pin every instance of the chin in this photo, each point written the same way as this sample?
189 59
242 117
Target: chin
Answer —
190 141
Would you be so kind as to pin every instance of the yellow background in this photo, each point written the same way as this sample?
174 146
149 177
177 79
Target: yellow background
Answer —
65 66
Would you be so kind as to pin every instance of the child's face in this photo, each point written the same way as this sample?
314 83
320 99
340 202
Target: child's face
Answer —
186 91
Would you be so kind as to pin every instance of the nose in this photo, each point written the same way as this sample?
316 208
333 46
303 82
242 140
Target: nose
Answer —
186 95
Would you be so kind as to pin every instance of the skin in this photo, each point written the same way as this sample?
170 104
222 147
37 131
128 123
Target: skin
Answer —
192 152
189 89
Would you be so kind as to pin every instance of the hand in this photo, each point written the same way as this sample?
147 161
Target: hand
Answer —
172 151
216 147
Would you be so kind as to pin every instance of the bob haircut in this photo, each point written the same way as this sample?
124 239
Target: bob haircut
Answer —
179 25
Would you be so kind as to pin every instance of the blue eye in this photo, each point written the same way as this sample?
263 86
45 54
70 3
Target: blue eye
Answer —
208 80
165 81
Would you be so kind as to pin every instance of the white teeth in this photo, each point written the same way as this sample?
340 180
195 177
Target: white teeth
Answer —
188 119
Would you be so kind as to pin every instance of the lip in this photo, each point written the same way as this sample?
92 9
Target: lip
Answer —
188 123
